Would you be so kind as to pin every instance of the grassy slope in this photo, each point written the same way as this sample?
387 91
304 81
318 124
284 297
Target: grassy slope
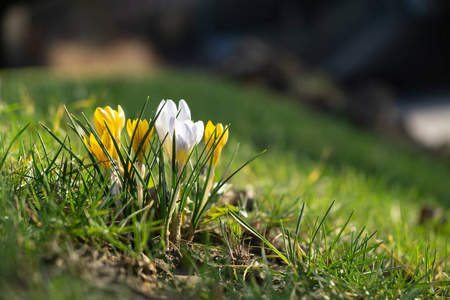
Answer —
385 184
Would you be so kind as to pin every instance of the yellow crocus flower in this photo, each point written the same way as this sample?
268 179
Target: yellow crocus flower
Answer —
115 119
212 136
95 148
139 134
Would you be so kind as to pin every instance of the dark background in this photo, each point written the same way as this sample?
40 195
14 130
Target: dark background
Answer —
403 44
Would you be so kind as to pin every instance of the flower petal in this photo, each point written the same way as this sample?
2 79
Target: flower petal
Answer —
130 128
87 143
224 139
166 110
121 115
95 147
107 116
184 111
198 129
209 139
98 120
172 124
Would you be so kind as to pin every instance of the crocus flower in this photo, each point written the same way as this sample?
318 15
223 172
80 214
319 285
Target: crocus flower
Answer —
215 136
187 134
139 128
98 152
175 125
115 119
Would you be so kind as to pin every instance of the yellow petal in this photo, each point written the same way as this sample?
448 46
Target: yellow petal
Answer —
216 158
102 119
109 145
209 129
107 142
212 136
130 128
109 116
140 129
121 117
87 144
209 139
219 129
143 129
109 111
99 121
95 148
139 134
224 139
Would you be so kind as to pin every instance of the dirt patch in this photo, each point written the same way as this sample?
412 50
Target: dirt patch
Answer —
108 270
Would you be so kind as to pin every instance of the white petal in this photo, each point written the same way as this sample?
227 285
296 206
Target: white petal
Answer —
184 111
159 122
171 108
189 123
169 111
189 134
172 124
166 110
180 129
168 138
198 130
160 106
180 134
182 144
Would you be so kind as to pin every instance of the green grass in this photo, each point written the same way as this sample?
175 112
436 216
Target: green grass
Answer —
311 158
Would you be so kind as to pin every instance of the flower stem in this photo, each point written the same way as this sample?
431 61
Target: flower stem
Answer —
172 224
139 186
115 188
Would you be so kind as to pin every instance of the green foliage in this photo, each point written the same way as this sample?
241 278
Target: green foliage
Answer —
355 235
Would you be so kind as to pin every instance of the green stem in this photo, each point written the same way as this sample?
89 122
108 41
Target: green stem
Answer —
173 209
208 189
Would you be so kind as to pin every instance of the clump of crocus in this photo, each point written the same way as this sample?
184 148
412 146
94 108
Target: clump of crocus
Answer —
181 191
139 133
216 137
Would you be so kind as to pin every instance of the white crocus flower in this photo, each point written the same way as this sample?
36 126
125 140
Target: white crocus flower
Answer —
175 125
187 135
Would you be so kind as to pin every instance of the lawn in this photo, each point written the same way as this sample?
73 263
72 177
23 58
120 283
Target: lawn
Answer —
360 233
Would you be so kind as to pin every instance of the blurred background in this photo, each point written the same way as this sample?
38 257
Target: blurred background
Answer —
382 63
